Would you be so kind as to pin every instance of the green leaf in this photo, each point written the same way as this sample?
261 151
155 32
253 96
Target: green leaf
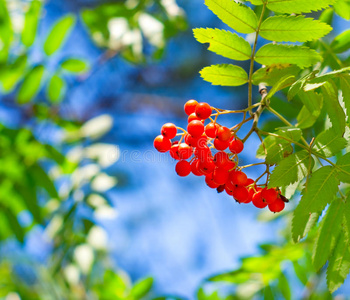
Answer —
238 16
271 144
298 6
339 264
293 29
300 272
141 288
312 101
345 87
284 82
343 165
13 73
272 74
28 194
283 285
347 216
291 169
56 88
299 84
224 74
341 43
58 34
283 54
42 179
334 110
31 84
328 143
75 65
13 223
320 190
31 21
305 118
342 8
302 224
224 43
290 132
328 234
277 152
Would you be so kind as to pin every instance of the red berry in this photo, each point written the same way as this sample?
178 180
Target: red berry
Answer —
220 188
220 145
203 110
277 205
211 129
193 117
174 151
195 128
185 151
228 190
206 166
258 200
249 182
194 168
269 195
220 176
210 182
161 143
222 160
183 168
238 178
236 146
223 134
241 194
169 130
251 194
190 106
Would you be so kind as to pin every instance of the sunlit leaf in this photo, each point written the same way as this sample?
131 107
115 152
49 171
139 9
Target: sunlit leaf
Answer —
31 84
224 74
31 22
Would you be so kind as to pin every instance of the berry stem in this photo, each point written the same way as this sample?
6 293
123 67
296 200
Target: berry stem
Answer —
251 69
252 165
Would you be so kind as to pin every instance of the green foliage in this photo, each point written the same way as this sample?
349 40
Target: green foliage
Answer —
283 54
31 84
31 22
58 34
75 65
224 43
239 17
224 74
55 88
293 29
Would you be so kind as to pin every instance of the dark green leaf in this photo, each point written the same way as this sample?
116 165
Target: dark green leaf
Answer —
339 264
328 143
291 169
345 87
343 170
284 287
328 233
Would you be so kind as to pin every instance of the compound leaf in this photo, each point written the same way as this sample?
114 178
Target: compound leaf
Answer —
224 74
224 43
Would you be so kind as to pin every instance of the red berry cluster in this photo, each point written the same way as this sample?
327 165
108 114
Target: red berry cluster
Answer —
221 169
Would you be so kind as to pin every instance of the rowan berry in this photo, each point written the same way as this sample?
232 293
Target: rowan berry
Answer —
190 106
185 151
206 166
236 146
203 110
240 194
238 178
258 201
193 117
220 145
194 168
228 190
249 182
269 195
223 133
211 129
169 130
162 143
220 176
251 194
220 188
195 128
183 168
277 206
210 181
202 152
222 160
174 151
